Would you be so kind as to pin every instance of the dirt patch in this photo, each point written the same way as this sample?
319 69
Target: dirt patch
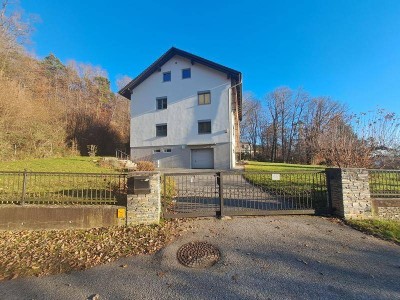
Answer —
38 253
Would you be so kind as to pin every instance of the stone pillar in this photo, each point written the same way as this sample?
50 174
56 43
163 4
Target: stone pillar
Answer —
144 208
349 193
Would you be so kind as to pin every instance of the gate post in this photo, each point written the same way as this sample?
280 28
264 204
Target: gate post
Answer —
221 194
349 192
143 198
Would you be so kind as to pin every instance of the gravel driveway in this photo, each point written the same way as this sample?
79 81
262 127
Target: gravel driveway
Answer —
282 257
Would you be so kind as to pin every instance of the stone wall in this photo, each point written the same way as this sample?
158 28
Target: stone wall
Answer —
386 208
349 192
144 208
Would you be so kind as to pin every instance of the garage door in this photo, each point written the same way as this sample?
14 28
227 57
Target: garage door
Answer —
202 158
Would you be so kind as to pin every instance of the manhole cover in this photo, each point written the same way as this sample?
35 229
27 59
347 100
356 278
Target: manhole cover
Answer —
198 255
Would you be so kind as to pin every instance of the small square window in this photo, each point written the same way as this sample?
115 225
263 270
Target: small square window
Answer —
204 97
167 76
161 130
167 150
186 73
204 127
162 103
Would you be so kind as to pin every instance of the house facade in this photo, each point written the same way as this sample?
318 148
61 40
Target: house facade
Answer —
185 113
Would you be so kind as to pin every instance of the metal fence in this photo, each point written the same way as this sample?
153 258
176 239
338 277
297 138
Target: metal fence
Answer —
61 188
243 193
384 183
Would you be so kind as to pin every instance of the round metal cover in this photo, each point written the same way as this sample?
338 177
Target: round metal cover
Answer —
198 255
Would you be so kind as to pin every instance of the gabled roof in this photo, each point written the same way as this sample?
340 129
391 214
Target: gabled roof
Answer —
126 91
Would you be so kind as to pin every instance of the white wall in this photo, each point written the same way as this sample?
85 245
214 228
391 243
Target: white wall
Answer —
183 110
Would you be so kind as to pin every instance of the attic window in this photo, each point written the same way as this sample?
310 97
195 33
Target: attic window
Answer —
167 76
186 73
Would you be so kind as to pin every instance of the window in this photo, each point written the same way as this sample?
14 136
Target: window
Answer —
204 97
162 103
167 150
204 127
186 73
167 76
161 130
156 150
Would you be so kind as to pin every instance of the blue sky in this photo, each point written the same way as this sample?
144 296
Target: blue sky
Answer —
348 50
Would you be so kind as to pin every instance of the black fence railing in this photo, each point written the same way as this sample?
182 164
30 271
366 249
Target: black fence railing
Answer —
244 193
61 188
384 183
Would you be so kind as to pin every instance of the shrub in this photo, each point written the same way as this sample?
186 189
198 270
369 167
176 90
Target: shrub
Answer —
168 191
145 166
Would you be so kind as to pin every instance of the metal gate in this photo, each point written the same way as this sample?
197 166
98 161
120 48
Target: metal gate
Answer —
243 193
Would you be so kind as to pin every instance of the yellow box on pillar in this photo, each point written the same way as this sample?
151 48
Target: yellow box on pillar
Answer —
121 213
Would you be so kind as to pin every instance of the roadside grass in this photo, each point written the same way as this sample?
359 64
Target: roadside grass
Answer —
70 164
385 229
43 252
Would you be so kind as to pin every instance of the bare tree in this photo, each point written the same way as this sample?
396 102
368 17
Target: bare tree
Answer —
122 81
320 111
251 123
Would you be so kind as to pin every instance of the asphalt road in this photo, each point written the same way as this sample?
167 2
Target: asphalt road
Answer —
285 257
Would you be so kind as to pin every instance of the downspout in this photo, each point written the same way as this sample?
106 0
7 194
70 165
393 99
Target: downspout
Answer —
230 122
230 127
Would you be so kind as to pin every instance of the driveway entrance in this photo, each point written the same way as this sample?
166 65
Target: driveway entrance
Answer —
199 194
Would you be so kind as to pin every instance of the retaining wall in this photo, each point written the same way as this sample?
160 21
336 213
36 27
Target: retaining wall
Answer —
20 217
386 208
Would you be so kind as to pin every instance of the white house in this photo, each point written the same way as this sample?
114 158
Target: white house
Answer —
185 112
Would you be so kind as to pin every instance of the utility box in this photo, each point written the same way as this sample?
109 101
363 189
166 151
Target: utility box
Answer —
139 185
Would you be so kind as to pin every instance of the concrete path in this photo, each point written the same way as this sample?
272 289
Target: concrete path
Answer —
286 257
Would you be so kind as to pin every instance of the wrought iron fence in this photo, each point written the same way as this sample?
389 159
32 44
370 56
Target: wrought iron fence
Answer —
61 188
384 183
243 193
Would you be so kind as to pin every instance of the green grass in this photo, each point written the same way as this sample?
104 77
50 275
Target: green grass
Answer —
73 164
266 166
386 229
60 188
300 183
385 183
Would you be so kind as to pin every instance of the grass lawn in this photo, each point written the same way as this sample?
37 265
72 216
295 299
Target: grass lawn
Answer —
386 229
89 188
301 184
267 166
79 164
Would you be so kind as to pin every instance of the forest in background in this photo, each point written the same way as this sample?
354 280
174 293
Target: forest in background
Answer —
51 109
293 127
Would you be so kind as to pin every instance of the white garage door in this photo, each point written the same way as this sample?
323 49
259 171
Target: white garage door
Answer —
202 158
